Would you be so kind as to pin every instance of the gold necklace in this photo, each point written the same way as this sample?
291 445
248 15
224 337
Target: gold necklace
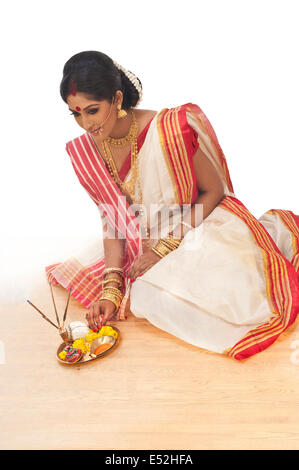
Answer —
127 187
122 141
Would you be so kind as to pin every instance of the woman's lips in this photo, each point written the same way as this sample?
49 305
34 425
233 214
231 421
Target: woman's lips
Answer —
95 131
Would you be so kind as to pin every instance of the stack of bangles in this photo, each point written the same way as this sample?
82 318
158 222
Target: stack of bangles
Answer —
166 245
110 292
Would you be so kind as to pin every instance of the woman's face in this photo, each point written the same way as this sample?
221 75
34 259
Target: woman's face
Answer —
90 114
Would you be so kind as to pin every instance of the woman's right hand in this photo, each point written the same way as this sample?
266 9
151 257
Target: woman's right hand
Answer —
99 313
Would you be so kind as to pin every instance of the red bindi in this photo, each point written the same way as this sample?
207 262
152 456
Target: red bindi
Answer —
78 108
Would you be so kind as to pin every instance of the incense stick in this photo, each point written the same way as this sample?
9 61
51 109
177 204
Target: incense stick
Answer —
44 316
54 305
65 312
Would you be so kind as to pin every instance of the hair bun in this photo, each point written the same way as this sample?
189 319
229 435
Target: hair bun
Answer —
133 79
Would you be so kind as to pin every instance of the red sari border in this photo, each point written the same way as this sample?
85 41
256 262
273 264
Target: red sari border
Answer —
178 150
207 127
140 141
282 286
291 222
179 142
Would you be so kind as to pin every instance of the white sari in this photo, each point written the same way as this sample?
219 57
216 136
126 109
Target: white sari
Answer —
211 290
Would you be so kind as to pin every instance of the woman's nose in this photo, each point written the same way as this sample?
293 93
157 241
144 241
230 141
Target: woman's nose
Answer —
87 123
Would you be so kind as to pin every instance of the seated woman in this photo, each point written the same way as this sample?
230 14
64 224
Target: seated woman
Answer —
176 243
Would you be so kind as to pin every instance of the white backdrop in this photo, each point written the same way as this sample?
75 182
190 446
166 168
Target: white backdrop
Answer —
237 60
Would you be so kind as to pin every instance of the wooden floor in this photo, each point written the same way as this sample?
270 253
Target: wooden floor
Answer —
153 392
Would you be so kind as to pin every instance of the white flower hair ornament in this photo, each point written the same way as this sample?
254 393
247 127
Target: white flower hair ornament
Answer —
133 79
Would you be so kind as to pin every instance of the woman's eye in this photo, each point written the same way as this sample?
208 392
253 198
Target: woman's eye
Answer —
90 111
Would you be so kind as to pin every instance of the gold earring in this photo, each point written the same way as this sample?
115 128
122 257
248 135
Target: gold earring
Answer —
121 112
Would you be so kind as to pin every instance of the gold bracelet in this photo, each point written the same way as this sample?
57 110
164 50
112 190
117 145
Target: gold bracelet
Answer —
113 270
166 246
157 252
161 250
169 245
113 293
113 290
113 279
109 296
172 240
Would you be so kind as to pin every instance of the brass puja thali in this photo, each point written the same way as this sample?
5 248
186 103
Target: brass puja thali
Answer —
80 343
97 348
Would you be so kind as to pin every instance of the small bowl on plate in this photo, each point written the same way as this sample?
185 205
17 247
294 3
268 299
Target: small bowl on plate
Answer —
106 342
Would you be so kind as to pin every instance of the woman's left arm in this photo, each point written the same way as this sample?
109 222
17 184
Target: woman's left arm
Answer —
211 192
210 189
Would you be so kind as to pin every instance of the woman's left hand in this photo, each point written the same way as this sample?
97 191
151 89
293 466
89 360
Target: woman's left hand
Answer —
144 262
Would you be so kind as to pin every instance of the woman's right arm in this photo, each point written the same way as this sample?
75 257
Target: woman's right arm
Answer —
101 311
114 250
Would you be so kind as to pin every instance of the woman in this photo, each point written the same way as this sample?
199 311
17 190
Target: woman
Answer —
208 271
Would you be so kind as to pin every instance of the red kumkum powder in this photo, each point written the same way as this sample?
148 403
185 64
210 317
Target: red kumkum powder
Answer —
73 88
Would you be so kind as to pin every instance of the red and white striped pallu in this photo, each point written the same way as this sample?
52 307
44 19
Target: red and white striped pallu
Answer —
245 288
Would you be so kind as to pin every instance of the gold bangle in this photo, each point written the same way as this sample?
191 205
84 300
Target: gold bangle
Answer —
113 279
172 241
112 295
112 287
117 297
113 270
157 252
113 290
166 246
113 299
161 250
170 238
163 246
